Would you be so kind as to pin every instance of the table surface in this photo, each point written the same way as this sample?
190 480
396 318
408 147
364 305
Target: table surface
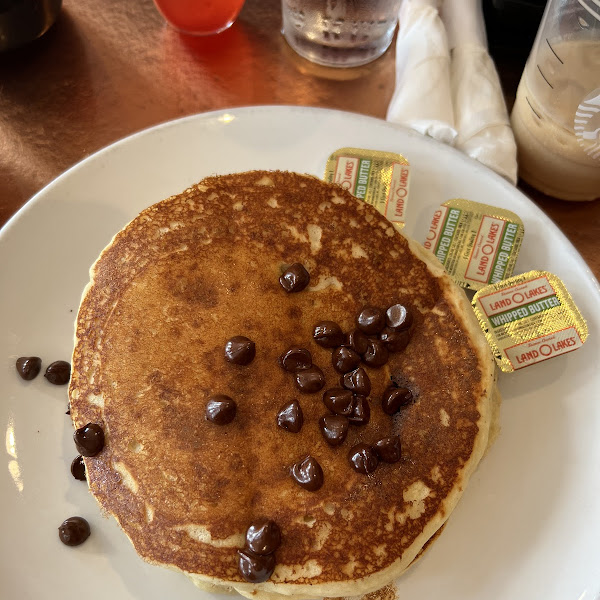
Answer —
108 69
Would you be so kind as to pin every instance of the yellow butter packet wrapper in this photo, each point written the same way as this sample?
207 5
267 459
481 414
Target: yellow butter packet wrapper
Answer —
477 244
381 179
529 318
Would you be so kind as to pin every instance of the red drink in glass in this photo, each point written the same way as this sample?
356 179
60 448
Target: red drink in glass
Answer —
200 17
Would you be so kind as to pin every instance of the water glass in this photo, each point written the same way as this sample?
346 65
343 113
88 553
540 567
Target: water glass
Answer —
340 33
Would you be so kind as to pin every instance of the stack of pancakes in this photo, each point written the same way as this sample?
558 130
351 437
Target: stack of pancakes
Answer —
201 267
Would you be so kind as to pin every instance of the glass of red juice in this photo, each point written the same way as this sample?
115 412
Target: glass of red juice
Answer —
199 17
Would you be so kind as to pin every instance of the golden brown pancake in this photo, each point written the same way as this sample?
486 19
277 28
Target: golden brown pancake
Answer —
193 271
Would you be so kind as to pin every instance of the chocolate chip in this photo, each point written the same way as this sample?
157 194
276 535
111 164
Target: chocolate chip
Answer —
290 417
240 350
220 409
74 531
345 359
254 567
395 341
371 320
394 398
68 409
328 334
363 458
263 537
295 278
295 359
376 355
89 439
397 317
78 468
357 340
58 372
334 429
338 400
310 380
357 381
388 449
361 410
28 367
308 474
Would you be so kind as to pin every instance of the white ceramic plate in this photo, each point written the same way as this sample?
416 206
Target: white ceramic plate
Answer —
528 525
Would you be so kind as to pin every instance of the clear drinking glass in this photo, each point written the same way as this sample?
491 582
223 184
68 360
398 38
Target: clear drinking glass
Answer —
556 116
340 33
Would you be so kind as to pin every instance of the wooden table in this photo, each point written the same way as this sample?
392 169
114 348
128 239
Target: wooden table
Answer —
109 68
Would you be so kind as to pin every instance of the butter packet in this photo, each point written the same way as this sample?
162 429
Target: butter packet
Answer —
477 244
529 318
381 179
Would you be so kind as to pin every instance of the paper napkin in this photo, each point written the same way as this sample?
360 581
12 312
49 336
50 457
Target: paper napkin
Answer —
447 86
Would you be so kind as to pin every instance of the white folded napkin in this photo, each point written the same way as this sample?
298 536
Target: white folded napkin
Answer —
421 98
480 114
447 86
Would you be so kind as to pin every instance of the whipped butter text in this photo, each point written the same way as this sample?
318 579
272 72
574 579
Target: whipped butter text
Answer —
476 243
381 179
529 318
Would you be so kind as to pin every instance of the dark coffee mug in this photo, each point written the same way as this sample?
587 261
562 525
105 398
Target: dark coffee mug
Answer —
22 21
